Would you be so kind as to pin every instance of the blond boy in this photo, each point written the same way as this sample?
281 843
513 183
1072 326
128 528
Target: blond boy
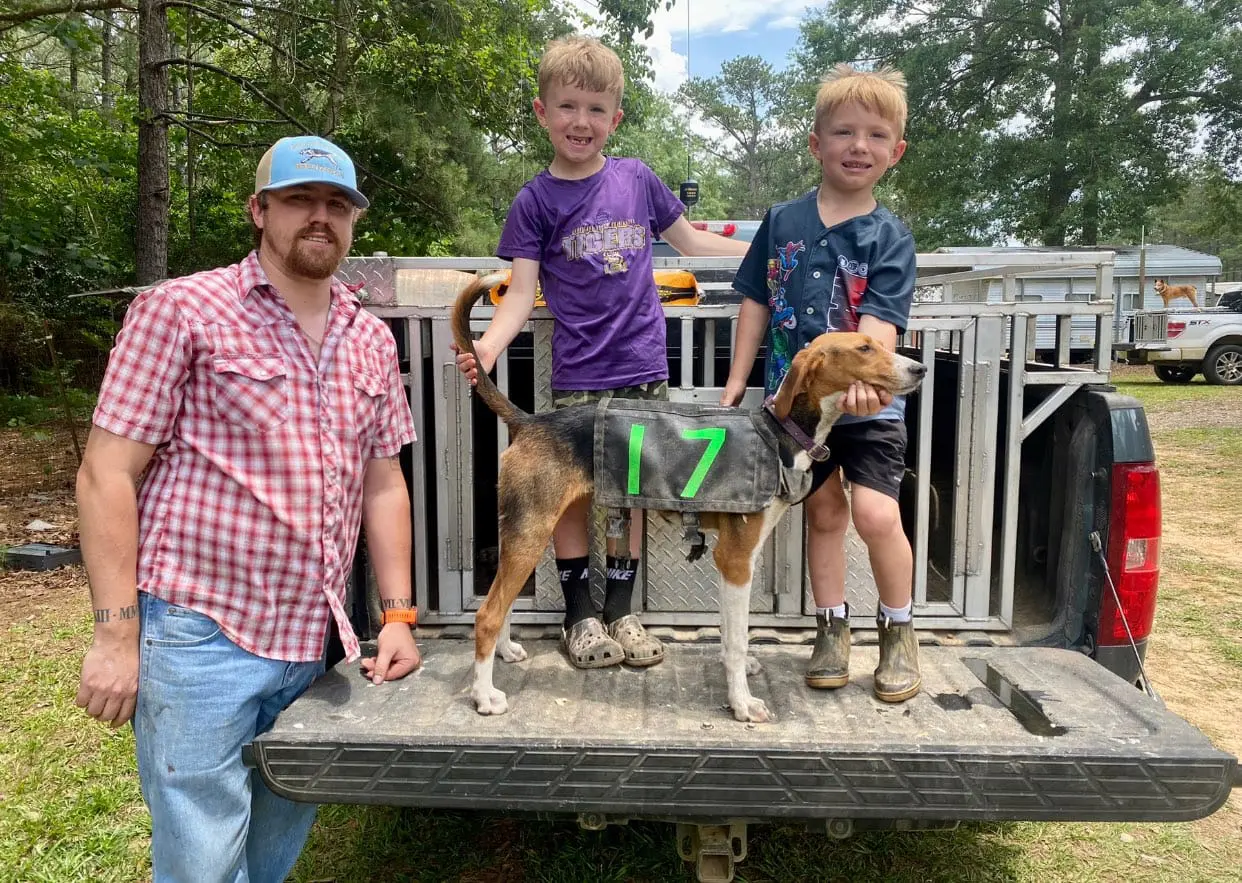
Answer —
836 260
583 228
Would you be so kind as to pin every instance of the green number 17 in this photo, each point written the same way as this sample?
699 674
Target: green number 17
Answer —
715 436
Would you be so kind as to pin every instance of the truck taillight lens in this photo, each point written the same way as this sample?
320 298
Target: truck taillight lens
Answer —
1176 328
1133 553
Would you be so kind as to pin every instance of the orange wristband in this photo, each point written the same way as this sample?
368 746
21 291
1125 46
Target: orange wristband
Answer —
408 615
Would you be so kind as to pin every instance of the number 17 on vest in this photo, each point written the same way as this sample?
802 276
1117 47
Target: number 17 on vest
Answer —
713 435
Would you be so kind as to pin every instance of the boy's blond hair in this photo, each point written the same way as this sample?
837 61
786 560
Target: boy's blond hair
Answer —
882 92
583 62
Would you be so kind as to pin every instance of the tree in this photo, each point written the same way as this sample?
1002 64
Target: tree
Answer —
763 146
1057 123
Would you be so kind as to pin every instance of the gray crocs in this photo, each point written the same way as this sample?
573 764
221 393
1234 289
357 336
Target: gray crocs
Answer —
587 645
640 648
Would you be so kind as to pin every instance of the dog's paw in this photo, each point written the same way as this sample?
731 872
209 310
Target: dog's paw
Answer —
751 710
511 651
489 700
753 666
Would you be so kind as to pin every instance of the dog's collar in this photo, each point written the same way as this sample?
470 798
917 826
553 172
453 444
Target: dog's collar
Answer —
814 449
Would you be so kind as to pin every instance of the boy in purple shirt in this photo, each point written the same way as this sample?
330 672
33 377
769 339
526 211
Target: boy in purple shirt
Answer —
582 229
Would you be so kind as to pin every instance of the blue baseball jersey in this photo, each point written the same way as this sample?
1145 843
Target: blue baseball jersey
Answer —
815 279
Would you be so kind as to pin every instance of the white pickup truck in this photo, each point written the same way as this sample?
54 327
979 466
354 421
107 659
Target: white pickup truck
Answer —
1195 341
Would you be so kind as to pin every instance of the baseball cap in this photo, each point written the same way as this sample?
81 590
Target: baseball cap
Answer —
308 159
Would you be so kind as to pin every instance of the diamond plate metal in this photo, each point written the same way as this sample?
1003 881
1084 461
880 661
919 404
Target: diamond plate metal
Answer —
377 277
675 584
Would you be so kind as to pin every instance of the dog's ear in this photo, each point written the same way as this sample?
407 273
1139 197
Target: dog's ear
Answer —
794 383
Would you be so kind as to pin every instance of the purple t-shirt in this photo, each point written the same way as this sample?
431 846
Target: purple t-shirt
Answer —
592 239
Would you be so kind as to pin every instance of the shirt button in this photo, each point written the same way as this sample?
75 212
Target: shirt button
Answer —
810 311
823 243
805 345
816 274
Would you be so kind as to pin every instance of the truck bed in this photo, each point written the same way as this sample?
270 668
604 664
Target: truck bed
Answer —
996 733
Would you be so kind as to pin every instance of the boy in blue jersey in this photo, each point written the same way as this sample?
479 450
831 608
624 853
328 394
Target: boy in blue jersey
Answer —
836 260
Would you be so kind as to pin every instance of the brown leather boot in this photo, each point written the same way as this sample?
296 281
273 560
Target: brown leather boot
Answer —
897 677
830 660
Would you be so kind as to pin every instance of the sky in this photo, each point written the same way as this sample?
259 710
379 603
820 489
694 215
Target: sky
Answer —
720 30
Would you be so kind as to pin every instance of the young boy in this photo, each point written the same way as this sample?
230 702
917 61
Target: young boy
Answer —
835 260
582 228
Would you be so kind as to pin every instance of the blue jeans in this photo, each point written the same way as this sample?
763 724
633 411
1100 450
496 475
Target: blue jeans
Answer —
200 698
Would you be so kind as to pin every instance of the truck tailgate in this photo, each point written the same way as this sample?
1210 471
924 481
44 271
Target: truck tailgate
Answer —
997 733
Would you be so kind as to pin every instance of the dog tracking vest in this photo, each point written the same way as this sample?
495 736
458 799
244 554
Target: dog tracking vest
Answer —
684 457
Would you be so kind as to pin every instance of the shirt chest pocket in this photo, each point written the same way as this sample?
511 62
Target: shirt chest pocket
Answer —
368 390
250 391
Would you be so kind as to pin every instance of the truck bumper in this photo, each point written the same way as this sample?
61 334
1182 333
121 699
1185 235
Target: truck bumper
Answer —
996 733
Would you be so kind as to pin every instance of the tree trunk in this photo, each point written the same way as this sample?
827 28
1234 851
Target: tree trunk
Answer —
151 252
1094 143
1052 223
105 61
74 70
340 64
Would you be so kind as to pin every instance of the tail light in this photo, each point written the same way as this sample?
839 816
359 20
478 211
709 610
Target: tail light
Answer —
1133 553
1176 328
721 229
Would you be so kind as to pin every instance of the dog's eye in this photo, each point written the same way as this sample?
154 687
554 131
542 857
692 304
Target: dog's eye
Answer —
865 348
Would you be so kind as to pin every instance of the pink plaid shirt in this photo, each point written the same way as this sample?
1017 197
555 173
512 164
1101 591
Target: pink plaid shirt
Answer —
249 511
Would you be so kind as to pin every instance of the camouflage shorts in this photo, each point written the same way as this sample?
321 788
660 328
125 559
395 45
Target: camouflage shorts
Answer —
656 390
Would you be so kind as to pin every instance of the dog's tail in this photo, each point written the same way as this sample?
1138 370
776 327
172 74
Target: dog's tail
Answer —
513 416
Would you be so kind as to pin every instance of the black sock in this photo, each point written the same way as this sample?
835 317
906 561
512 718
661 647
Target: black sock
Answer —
619 593
576 585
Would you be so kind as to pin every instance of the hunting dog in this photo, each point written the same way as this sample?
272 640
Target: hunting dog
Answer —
550 463
1169 293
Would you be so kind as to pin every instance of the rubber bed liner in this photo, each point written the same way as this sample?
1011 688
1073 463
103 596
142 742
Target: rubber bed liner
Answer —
997 733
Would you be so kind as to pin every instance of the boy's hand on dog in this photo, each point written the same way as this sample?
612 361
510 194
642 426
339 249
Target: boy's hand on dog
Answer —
398 654
863 399
467 365
733 392
109 686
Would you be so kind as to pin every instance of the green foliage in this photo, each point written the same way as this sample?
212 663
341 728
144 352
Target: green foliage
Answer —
763 119
1056 125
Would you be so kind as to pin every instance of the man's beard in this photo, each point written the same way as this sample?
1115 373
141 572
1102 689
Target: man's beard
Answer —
310 263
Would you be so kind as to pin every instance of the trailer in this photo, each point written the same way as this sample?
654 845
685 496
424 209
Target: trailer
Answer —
1135 270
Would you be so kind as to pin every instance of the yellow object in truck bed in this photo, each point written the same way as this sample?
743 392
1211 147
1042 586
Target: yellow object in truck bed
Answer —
676 288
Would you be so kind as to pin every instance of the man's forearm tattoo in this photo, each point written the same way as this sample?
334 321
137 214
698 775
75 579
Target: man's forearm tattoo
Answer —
108 614
395 603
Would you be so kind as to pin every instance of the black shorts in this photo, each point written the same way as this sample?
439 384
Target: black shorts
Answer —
871 454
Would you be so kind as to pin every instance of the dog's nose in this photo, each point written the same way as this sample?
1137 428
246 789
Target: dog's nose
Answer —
918 369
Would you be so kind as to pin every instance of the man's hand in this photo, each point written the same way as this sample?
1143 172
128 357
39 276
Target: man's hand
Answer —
398 654
863 399
733 392
109 686
467 365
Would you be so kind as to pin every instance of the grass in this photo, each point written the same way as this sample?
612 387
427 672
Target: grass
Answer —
70 808
1143 384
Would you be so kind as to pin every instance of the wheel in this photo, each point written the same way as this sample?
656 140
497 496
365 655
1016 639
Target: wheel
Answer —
1174 373
1223 364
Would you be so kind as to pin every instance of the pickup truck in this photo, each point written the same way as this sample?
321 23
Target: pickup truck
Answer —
1197 341
1032 500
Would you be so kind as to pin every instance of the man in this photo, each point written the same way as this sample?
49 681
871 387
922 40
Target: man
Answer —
267 409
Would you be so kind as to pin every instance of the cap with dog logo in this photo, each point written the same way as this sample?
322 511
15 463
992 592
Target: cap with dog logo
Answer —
307 159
